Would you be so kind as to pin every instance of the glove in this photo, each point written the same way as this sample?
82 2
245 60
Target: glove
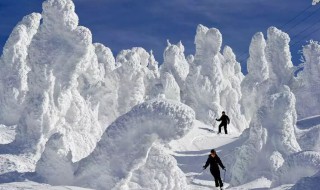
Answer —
224 169
204 167
216 119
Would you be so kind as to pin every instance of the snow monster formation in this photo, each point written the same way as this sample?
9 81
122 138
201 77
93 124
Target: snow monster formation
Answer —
174 71
213 83
123 151
307 88
56 81
14 69
271 146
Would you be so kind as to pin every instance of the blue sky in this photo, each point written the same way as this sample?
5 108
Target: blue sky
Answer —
122 24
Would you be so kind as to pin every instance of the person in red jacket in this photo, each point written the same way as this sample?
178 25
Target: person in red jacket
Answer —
214 162
224 122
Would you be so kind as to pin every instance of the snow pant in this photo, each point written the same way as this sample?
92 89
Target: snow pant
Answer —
224 126
217 178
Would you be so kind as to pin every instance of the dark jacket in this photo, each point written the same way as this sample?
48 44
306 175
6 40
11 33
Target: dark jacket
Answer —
214 163
224 119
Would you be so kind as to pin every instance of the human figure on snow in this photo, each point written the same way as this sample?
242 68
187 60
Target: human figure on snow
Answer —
214 162
224 122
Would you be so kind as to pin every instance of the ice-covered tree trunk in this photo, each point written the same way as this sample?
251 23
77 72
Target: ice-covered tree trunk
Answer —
307 88
14 69
213 83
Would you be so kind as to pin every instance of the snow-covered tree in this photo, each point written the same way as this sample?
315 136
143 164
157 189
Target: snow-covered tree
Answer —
14 69
175 64
308 81
213 83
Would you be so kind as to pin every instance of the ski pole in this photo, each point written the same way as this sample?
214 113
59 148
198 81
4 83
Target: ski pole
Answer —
224 175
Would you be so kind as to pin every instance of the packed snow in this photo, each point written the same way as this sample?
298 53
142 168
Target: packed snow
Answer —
74 116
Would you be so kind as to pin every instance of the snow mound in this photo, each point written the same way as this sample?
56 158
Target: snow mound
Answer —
296 166
161 172
124 146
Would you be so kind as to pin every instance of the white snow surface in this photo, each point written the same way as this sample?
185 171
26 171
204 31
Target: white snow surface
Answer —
72 114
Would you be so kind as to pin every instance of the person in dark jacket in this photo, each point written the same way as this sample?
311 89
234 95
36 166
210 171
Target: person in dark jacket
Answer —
214 162
224 122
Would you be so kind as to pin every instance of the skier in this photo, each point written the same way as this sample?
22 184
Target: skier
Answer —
214 162
224 122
